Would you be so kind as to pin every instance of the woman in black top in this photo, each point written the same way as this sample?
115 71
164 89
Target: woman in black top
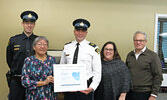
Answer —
115 81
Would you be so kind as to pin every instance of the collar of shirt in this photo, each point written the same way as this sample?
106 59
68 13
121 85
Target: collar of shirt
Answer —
25 36
81 43
137 54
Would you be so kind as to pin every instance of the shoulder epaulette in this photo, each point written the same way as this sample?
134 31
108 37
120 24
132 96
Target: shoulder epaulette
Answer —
17 35
92 44
68 43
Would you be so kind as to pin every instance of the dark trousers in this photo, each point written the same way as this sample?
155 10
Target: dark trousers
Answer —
16 91
131 95
78 96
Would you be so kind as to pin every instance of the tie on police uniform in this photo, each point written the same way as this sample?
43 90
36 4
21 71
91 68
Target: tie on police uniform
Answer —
76 54
28 46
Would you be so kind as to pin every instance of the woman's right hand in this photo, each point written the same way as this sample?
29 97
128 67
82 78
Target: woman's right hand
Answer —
46 82
49 79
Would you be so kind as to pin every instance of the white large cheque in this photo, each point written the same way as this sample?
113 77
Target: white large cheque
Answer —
69 77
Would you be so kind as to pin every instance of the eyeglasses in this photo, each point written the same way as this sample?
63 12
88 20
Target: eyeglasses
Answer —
139 40
40 45
106 49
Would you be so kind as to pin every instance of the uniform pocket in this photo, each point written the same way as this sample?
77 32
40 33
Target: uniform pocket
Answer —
69 59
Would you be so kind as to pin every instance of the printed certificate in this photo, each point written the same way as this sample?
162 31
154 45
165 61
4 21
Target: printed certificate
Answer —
69 77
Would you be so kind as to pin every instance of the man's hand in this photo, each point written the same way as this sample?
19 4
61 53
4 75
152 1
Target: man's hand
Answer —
122 96
152 98
87 91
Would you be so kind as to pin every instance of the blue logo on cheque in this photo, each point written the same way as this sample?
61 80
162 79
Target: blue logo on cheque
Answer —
76 75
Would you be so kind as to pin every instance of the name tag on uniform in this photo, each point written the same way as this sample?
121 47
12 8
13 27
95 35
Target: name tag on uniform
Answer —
16 45
67 54
16 48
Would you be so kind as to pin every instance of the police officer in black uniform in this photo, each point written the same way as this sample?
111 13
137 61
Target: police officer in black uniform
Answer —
18 49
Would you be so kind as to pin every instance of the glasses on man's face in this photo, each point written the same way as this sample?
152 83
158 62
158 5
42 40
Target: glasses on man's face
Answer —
107 49
40 45
139 40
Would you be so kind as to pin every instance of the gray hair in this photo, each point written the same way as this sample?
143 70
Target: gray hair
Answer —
37 39
139 32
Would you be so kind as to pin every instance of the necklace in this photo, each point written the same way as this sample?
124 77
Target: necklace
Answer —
42 58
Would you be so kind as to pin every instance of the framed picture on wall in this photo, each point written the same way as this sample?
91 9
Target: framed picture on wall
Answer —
55 53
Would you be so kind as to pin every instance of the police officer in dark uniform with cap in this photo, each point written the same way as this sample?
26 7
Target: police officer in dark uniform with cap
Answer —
18 49
81 51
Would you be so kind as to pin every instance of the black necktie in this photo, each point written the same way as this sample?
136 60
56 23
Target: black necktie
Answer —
28 47
76 54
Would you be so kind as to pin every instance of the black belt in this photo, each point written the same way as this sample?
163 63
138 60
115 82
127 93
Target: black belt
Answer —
16 75
17 78
10 76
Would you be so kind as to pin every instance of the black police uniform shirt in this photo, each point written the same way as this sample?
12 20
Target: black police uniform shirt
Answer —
16 52
88 55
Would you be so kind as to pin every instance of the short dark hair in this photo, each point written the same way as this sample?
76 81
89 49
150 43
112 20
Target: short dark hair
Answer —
116 54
